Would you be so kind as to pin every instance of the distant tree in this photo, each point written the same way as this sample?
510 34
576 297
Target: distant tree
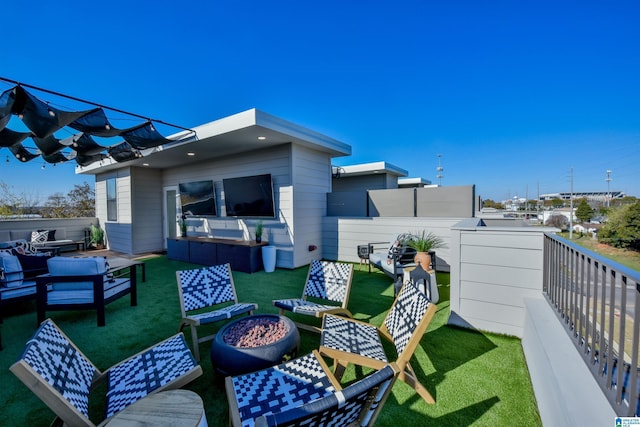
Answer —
554 203
584 212
6 202
626 200
558 221
82 201
79 202
491 204
12 203
622 229
604 211
56 206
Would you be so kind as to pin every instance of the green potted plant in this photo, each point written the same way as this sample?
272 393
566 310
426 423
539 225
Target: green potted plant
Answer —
259 227
183 226
97 237
423 243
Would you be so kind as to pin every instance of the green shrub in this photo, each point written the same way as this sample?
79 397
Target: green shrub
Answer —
622 229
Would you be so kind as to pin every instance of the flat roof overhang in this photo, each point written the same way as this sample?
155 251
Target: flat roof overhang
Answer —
236 134
370 169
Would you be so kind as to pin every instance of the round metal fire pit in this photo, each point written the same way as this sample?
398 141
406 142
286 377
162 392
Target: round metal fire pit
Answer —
232 360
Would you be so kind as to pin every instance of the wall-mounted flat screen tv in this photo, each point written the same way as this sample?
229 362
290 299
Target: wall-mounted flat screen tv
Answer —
249 196
198 198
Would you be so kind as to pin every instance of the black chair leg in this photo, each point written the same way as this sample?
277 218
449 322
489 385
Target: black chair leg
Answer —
397 285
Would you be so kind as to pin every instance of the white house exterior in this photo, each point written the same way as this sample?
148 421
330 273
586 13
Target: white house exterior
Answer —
245 144
566 212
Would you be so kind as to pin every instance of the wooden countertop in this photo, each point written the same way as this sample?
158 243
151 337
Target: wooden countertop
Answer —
225 241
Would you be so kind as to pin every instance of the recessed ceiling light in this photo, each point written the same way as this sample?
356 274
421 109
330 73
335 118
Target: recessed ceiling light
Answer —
262 138
145 164
191 153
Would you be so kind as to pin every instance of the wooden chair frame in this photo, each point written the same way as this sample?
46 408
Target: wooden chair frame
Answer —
196 317
59 401
342 357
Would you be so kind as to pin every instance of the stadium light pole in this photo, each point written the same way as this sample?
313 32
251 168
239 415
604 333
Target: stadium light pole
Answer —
608 179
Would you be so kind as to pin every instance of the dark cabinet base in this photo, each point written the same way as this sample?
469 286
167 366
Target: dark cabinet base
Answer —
241 255
178 249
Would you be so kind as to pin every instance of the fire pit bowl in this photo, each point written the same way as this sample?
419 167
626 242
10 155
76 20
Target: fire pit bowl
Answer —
254 342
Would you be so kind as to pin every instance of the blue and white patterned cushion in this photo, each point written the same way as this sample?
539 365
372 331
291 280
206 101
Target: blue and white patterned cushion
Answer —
204 287
56 360
342 334
223 313
342 408
328 280
406 314
301 306
280 388
140 375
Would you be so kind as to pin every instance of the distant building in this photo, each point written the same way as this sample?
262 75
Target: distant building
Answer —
587 228
590 196
414 183
567 212
370 176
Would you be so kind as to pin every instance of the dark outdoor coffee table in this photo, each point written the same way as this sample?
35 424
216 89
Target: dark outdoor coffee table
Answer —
230 360
117 264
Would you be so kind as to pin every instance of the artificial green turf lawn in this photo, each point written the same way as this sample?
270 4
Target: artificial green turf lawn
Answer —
476 378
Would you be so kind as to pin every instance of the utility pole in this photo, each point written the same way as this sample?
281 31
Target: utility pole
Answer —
440 170
538 201
526 202
608 179
571 208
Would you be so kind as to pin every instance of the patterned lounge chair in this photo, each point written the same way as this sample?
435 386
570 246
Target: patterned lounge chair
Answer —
58 373
352 341
328 284
208 288
304 392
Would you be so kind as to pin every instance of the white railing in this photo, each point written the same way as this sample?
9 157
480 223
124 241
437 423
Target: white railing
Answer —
598 301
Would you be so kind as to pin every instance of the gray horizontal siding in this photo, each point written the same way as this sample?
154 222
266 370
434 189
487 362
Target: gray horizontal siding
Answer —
341 236
275 161
311 172
147 210
493 270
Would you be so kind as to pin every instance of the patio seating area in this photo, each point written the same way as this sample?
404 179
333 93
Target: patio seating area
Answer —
476 378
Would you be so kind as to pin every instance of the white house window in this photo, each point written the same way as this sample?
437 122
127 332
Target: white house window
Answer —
112 200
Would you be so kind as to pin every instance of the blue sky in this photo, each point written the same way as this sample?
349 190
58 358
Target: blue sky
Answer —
513 95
